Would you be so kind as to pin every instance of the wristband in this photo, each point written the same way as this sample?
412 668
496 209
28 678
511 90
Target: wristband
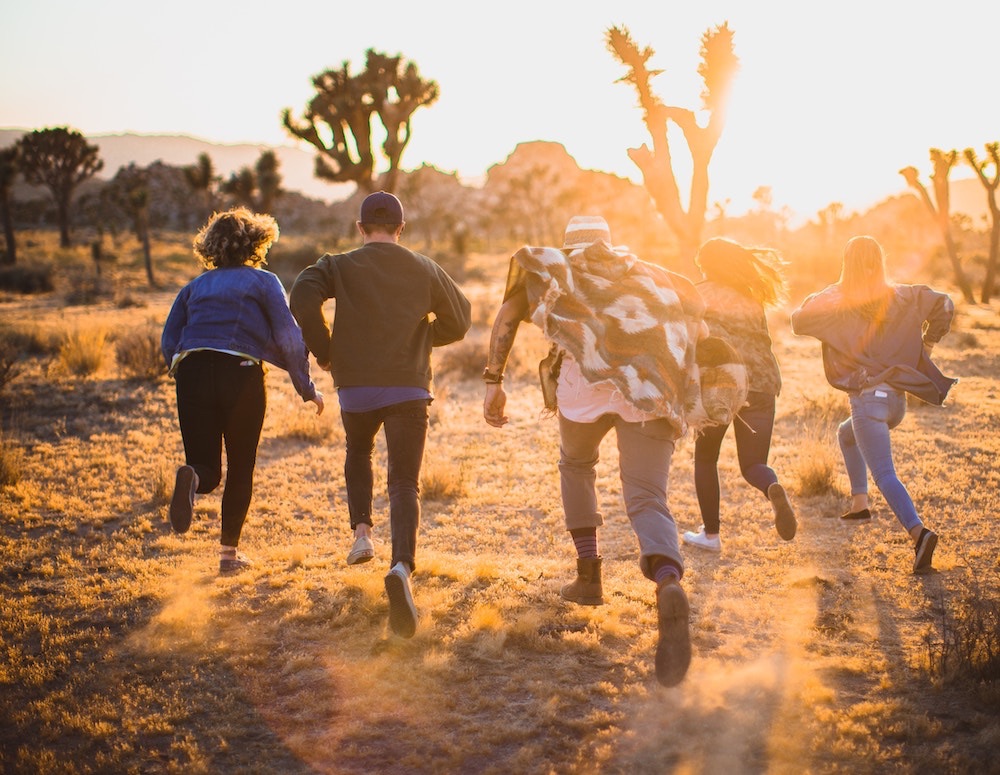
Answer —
492 377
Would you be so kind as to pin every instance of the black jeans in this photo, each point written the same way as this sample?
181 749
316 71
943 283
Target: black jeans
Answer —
405 436
752 428
220 399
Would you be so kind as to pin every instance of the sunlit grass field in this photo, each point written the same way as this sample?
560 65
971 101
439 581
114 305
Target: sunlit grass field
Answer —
123 650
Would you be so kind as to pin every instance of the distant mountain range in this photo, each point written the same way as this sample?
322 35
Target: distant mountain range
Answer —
298 164
296 168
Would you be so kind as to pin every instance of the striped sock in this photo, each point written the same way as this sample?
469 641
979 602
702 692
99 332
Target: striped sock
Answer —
585 541
664 571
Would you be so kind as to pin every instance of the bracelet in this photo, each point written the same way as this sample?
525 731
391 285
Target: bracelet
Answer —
492 377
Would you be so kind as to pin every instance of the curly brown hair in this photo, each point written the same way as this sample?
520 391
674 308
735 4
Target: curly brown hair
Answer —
236 237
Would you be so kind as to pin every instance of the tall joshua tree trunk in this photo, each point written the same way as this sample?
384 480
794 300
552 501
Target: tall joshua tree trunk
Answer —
990 184
718 67
943 162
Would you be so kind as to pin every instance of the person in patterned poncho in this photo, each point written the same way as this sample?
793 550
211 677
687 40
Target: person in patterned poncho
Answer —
624 334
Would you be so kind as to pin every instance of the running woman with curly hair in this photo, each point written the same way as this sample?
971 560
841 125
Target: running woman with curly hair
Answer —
223 326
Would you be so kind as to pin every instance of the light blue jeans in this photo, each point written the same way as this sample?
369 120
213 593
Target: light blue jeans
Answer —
865 444
644 454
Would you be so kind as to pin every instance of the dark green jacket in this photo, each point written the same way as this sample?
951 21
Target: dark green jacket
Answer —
392 306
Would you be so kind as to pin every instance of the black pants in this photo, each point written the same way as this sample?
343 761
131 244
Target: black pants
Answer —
220 399
752 428
405 436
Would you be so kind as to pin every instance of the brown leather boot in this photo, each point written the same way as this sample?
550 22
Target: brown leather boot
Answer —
587 589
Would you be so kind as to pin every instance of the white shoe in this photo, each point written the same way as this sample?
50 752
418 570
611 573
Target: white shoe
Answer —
702 541
402 612
362 551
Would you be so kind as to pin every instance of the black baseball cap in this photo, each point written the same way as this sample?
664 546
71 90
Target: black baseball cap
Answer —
381 208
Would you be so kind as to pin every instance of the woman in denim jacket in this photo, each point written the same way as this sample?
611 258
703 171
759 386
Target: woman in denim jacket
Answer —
877 340
222 327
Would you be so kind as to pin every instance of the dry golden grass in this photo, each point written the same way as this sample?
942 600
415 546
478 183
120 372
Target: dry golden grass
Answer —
124 651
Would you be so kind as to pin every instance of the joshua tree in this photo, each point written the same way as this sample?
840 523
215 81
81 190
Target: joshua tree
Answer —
60 159
128 192
718 67
990 184
338 120
942 162
8 171
256 187
241 186
202 179
268 181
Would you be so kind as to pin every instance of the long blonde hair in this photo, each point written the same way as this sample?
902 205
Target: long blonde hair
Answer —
863 282
754 272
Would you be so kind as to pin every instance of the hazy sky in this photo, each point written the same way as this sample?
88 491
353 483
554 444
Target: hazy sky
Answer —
832 99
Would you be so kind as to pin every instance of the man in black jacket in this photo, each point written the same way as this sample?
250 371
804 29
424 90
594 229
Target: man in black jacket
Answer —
392 307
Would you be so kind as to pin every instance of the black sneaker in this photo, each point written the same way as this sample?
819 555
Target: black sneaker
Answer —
673 649
784 514
924 551
182 502
857 516
402 612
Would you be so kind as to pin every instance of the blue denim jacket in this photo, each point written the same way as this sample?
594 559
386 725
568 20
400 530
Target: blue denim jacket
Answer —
239 309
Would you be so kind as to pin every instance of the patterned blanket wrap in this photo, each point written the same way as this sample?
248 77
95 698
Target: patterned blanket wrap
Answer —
724 384
624 321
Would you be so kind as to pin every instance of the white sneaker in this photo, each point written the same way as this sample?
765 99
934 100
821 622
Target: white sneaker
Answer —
702 541
402 612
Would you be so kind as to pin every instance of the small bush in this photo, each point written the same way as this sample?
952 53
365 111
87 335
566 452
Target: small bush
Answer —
30 341
85 291
162 486
815 468
440 481
302 424
26 279
138 354
10 362
967 646
82 352
11 461
827 409
465 359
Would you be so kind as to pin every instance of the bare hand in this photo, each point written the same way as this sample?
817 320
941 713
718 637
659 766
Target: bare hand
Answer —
494 404
318 400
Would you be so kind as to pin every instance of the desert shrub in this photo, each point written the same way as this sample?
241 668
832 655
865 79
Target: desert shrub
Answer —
30 340
815 467
454 264
467 358
26 279
162 485
287 258
10 361
84 291
964 340
966 646
11 461
464 359
824 410
442 481
138 354
82 352
302 424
